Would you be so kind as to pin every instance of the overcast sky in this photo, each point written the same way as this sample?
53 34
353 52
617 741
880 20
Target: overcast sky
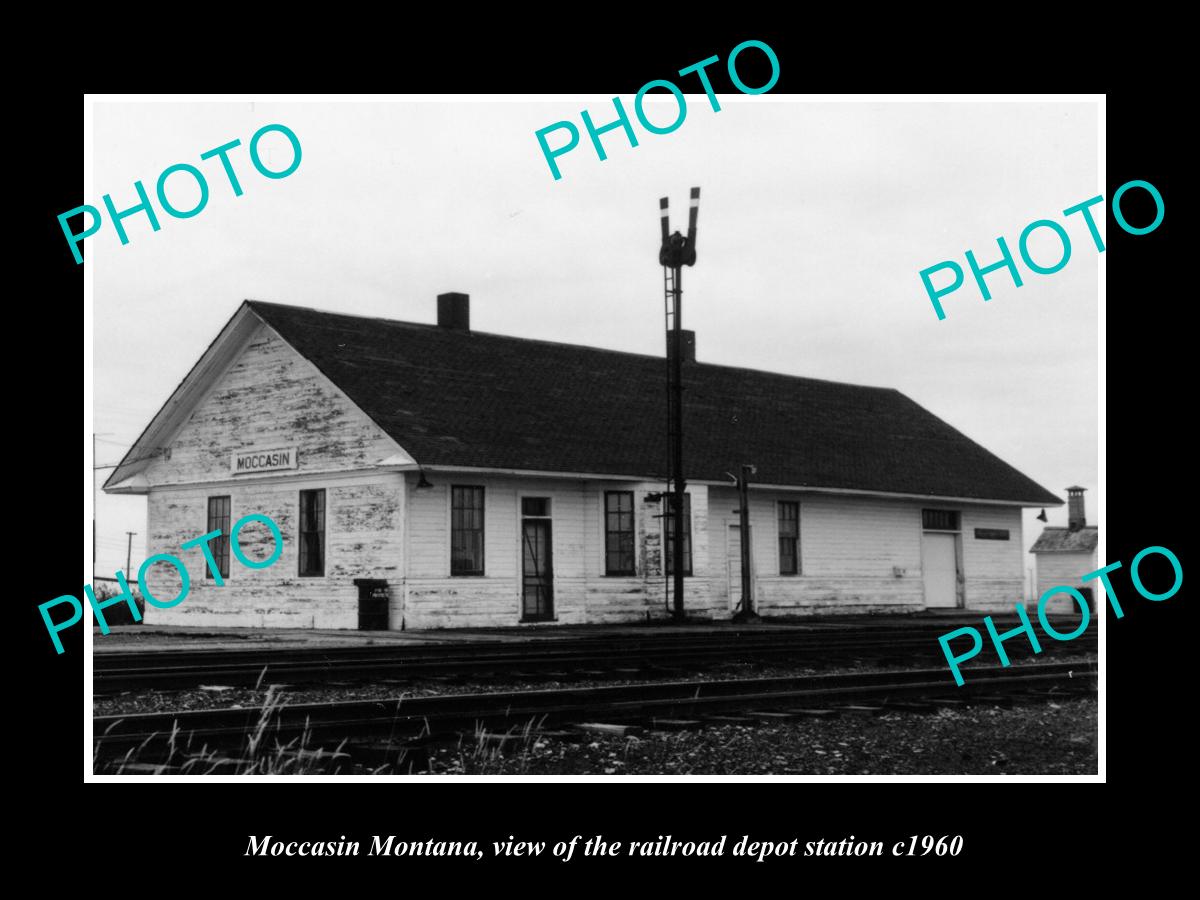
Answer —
815 220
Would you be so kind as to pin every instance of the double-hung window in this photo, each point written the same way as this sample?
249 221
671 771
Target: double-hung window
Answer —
789 537
619 558
312 532
466 530
218 520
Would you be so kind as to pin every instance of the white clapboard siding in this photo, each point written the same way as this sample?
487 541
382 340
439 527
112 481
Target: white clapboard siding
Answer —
363 539
993 569
1057 569
860 554
582 590
271 397
849 550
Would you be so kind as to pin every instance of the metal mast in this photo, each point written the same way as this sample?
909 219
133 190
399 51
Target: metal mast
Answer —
676 252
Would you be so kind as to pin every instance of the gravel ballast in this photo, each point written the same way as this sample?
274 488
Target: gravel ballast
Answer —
1053 738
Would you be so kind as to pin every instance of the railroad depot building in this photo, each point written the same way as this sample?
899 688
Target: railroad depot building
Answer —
451 478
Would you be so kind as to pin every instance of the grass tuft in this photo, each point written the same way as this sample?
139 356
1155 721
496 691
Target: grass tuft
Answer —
263 751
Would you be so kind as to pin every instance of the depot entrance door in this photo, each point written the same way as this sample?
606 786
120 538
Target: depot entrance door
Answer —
537 569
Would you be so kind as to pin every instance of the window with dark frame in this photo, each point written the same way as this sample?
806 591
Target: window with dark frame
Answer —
466 530
312 532
789 537
940 519
218 520
669 518
619 556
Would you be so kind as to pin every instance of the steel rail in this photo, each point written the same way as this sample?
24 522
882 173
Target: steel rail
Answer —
114 672
402 717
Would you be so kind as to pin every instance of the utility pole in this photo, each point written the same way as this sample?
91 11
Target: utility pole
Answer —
95 468
129 552
743 485
676 252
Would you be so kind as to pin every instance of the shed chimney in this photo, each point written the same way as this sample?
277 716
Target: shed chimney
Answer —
1075 515
454 311
689 344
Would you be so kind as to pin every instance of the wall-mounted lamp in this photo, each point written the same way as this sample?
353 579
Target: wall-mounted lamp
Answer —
423 482
1041 517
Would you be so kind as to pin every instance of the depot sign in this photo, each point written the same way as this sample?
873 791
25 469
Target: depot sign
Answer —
243 461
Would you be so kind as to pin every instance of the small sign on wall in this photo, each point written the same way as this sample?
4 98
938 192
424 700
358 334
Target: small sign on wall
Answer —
991 534
245 461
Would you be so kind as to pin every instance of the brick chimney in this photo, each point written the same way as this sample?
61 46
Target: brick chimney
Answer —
689 344
454 311
1075 515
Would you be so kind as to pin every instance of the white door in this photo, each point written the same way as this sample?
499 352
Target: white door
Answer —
733 566
941 570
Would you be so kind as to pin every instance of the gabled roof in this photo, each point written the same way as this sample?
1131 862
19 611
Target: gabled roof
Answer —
470 399
1056 539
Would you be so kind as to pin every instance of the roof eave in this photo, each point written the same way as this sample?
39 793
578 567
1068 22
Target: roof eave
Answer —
806 488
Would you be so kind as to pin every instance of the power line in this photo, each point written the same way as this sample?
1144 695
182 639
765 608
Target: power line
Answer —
128 461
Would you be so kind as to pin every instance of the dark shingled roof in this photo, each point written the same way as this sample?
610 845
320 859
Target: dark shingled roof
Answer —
1055 539
460 398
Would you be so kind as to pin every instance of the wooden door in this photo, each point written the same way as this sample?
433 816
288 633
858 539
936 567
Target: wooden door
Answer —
940 570
537 571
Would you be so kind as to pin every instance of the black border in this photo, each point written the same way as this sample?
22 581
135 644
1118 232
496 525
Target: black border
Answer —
198 836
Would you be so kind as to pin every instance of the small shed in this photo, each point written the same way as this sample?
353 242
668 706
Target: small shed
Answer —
1065 554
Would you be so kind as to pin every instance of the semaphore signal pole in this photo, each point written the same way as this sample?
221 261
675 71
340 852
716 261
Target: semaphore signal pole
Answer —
676 252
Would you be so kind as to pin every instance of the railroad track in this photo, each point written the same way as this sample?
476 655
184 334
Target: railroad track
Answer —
389 726
115 672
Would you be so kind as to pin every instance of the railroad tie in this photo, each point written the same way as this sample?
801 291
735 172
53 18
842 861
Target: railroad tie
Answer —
772 715
815 713
610 729
854 709
676 724
917 706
